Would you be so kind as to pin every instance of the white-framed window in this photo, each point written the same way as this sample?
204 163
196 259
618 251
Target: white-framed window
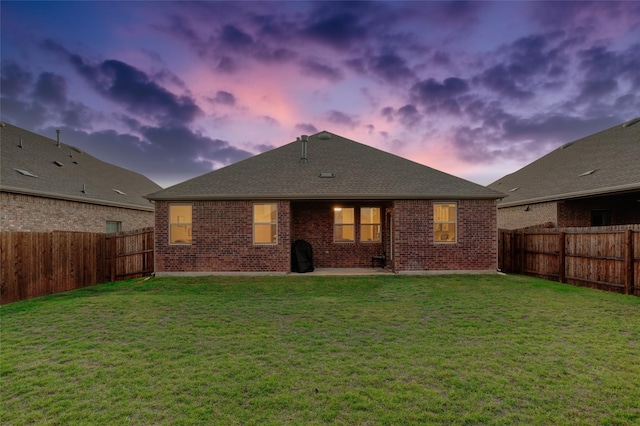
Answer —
265 223
370 224
445 222
344 226
180 223
113 226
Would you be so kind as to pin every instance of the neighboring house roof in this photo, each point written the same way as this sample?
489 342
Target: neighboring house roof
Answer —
336 168
603 163
35 165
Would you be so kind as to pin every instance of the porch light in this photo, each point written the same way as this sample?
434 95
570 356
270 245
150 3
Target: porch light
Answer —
337 209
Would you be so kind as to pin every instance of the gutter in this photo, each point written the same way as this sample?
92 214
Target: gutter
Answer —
571 195
94 201
311 197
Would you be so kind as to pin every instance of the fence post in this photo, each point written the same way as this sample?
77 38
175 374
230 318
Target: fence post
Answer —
628 262
112 243
522 252
562 257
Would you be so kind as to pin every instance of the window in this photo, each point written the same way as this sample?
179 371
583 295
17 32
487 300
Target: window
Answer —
370 224
344 225
113 226
445 222
180 224
265 223
600 217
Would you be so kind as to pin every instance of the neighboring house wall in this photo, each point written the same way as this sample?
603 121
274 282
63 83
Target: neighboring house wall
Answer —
414 250
222 240
620 211
313 222
20 212
517 217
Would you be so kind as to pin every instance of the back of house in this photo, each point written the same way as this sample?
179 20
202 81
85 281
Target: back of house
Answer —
352 203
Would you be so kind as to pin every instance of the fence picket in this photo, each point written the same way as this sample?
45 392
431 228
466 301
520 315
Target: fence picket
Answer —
40 263
602 258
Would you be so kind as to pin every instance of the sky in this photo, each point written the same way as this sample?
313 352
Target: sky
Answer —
174 90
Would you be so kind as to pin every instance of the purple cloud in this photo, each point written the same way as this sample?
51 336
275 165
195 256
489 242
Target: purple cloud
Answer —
14 80
319 69
224 98
442 97
340 118
306 128
51 89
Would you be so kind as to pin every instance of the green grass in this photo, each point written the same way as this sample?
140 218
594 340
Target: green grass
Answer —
323 350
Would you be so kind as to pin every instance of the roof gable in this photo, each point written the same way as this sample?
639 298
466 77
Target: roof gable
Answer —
601 163
336 168
36 165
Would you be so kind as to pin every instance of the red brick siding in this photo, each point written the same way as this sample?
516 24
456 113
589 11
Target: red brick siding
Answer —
19 212
624 211
415 250
222 238
222 233
313 222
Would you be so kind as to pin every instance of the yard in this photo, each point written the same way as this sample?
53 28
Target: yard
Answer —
319 350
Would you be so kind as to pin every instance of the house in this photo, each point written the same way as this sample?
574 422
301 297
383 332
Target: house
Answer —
354 204
593 181
46 185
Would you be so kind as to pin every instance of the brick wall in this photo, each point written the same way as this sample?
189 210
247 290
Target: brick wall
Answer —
222 238
537 214
20 212
414 249
222 233
313 222
623 210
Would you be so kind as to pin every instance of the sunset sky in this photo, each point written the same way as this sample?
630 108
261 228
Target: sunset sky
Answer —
175 89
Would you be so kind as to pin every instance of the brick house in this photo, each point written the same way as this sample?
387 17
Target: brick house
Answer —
46 185
351 202
593 181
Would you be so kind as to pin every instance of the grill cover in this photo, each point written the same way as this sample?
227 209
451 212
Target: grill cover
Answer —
301 257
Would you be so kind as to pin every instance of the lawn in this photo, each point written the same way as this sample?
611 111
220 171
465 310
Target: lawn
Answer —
323 350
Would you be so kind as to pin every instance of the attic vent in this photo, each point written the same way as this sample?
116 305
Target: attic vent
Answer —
327 175
119 192
590 172
514 189
566 145
57 163
25 173
631 122
324 136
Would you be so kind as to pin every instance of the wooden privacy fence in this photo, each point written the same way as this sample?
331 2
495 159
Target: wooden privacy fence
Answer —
40 263
606 258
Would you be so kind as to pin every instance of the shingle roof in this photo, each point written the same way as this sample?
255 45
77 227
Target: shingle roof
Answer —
337 168
62 172
603 163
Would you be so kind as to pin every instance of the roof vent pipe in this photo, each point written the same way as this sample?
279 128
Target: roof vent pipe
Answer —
58 137
20 143
84 188
305 142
